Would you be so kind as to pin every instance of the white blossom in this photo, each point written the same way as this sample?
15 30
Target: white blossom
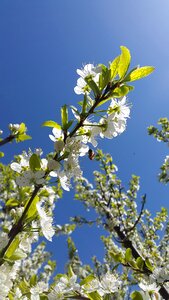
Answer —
29 177
57 134
3 239
88 69
63 286
45 222
120 107
109 284
14 128
38 289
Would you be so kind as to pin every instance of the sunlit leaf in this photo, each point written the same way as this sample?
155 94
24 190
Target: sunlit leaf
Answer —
139 73
51 123
32 209
23 137
114 67
13 246
124 62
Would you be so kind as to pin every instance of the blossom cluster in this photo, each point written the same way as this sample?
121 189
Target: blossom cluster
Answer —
65 286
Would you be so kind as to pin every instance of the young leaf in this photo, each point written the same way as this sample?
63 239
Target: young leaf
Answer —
51 124
94 296
17 255
128 255
12 202
11 249
33 280
136 296
64 116
92 85
149 265
22 128
140 263
114 67
122 91
124 62
69 124
139 73
34 162
1 154
84 105
23 137
87 279
32 209
104 77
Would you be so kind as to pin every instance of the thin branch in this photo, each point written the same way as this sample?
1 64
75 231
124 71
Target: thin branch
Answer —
8 139
140 214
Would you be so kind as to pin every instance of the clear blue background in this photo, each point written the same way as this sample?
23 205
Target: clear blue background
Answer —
42 43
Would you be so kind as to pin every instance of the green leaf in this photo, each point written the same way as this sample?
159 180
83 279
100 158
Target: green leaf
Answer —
128 255
116 256
92 85
149 265
140 263
136 296
22 128
32 209
80 103
139 73
17 255
24 287
104 77
33 280
64 116
10 296
84 104
2 154
114 67
122 91
23 137
51 124
124 62
11 249
70 271
69 124
12 202
94 296
87 279
34 162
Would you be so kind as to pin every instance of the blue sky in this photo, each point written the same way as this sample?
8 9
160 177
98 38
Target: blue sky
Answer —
43 42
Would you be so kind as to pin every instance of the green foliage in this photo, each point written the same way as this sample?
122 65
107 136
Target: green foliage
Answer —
12 248
2 154
136 296
94 296
91 83
21 135
124 62
52 124
34 162
139 73
104 77
114 67
163 134
32 209
64 117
